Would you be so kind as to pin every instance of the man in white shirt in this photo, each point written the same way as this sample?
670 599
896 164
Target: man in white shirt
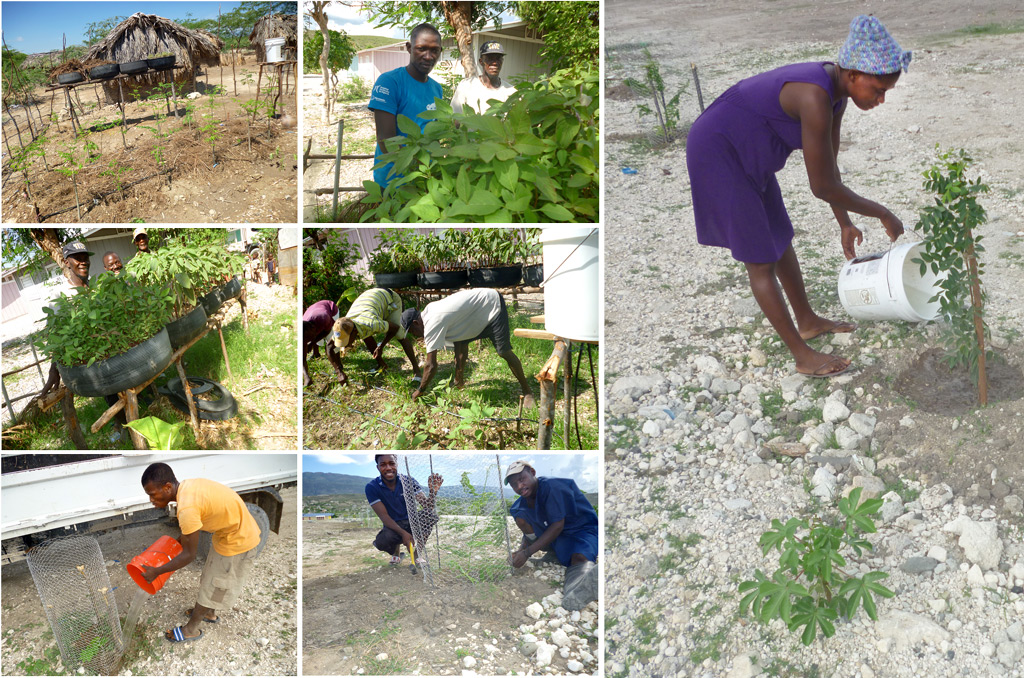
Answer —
469 315
475 93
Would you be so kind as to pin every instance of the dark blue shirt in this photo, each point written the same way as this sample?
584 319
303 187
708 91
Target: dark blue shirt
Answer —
557 499
393 500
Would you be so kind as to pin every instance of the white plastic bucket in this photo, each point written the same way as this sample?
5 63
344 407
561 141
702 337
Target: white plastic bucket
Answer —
571 282
889 286
274 46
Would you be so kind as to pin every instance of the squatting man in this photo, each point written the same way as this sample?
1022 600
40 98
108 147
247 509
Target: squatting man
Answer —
386 495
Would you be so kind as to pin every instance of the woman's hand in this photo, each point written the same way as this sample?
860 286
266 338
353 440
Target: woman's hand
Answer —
851 235
893 226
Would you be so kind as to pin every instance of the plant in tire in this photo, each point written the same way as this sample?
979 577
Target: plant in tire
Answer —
811 588
104 320
534 158
395 253
952 247
176 269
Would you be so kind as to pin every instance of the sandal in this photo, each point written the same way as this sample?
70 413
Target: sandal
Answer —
840 327
177 635
395 560
822 371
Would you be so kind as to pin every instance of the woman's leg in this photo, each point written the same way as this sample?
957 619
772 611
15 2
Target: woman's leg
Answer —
809 323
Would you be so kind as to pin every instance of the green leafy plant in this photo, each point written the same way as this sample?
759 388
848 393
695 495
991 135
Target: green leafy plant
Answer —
496 246
810 589
653 87
533 158
329 274
116 171
181 270
160 434
951 248
71 167
395 253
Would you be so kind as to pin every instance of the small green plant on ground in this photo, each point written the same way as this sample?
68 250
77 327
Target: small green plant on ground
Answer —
71 167
810 589
653 87
116 171
952 248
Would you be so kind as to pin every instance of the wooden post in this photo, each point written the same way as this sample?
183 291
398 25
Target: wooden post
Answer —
192 414
566 386
108 415
131 411
546 410
245 310
696 82
67 405
7 400
979 328
174 96
224 348
71 110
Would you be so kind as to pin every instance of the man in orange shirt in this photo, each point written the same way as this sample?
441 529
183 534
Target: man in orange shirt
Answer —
208 506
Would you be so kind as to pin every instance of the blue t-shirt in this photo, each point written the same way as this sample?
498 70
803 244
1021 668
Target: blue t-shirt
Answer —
393 500
399 93
557 499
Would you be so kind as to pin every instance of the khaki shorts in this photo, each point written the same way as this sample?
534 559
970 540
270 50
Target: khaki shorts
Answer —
223 578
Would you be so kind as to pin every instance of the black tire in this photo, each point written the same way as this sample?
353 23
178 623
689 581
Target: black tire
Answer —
232 289
260 516
70 78
120 372
224 407
187 327
211 303
104 72
497 276
533 275
133 67
435 280
394 280
161 63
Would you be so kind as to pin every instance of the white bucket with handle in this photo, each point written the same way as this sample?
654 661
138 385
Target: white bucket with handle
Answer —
889 286
273 47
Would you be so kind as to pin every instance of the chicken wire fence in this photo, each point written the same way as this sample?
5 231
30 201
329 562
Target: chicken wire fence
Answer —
463 533
74 586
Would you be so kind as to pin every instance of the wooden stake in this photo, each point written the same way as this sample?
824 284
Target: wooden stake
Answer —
546 409
192 414
979 328
67 405
131 410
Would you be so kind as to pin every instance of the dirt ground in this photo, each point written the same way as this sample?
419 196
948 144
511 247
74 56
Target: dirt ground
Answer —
357 138
357 607
241 186
266 610
959 93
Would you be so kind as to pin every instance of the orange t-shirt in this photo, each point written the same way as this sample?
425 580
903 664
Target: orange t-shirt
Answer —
211 507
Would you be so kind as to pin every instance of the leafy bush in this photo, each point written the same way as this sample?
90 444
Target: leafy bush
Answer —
183 271
354 88
533 158
328 274
104 320
339 54
395 253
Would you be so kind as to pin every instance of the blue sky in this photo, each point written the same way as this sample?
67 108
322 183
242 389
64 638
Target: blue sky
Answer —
583 468
32 27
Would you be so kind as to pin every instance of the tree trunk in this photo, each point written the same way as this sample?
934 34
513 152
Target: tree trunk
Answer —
46 239
459 17
319 15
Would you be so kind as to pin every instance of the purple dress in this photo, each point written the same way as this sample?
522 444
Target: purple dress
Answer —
734 150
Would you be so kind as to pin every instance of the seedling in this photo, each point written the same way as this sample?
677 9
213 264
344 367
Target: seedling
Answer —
116 171
653 86
72 166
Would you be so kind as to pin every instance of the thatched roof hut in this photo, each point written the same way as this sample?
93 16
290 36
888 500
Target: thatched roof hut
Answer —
276 26
213 37
144 35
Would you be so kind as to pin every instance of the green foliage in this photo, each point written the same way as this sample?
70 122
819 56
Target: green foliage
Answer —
158 433
572 33
534 158
339 56
184 271
653 87
353 88
951 249
395 252
328 274
106 319
410 13
810 588
97 30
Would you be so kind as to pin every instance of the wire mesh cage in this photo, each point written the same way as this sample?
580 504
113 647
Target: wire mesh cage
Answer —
463 532
74 587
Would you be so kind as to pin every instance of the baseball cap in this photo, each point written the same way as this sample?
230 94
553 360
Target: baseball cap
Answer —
491 48
139 231
516 467
409 315
74 248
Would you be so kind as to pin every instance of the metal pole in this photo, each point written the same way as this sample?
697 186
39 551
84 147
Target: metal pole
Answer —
437 528
10 407
696 81
567 406
36 358
508 540
337 172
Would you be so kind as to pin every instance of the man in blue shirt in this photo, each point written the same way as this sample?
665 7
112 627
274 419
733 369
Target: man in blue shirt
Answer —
554 514
407 91
386 496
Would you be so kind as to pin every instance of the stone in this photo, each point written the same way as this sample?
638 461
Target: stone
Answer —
740 423
938 553
935 497
707 364
788 449
560 638
651 428
824 484
469 662
528 649
849 439
742 667
545 653
1015 631
975 577
757 357
534 611
981 544
892 507
793 383
834 411
862 424
871 487
382 657
574 666
636 385
919 565
1009 653
1013 504
906 629
757 474
737 504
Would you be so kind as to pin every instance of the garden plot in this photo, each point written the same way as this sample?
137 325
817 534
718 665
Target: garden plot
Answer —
713 473
223 160
376 411
257 637
362 616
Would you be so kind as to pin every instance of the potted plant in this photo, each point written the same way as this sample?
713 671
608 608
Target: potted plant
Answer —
533 264
496 253
109 337
161 61
221 276
443 260
174 269
393 262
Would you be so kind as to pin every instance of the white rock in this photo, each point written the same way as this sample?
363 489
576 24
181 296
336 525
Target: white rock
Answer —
834 411
862 424
469 662
545 653
534 611
824 483
382 657
849 439
574 666
742 667
906 629
938 553
560 638
981 544
935 497
892 507
652 428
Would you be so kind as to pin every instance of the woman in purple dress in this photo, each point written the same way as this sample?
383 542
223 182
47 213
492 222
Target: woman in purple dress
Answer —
738 144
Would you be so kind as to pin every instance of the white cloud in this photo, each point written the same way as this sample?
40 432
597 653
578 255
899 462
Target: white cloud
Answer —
354 22
19 39
336 458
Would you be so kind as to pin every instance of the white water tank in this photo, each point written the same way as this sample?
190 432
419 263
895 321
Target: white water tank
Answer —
572 286
274 46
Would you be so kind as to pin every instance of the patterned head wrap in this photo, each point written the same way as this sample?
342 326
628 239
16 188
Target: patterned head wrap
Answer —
870 49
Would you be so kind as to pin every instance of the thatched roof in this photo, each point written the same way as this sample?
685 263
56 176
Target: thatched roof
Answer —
212 37
274 26
143 35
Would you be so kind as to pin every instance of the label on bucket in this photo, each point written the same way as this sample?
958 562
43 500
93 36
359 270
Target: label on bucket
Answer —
862 297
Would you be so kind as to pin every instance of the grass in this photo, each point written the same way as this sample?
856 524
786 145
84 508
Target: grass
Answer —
490 387
264 354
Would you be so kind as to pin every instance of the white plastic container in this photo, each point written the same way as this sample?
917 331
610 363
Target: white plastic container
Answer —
889 286
571 281
274 46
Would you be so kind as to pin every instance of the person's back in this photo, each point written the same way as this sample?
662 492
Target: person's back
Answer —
212 507
459 317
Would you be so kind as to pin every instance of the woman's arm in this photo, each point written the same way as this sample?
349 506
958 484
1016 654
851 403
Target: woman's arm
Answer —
851 235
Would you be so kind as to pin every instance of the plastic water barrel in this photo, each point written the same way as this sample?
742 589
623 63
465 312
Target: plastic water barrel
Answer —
889 286
163 551
572 286
274 46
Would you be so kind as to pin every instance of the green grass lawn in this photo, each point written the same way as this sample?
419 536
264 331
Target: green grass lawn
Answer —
263 356
376 411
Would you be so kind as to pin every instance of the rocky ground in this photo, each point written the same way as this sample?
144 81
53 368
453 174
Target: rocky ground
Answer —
711 435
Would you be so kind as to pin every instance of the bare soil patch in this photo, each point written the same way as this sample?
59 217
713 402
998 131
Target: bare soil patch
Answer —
936 388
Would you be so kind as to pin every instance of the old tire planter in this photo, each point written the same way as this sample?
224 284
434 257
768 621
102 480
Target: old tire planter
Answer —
104 72
232 289
161 63
394 280
187 327
434 280
533 275
212 301
496 276
70 78
133 67
135 366
225 407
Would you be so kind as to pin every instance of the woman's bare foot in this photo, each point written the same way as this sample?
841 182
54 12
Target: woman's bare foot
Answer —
819 326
